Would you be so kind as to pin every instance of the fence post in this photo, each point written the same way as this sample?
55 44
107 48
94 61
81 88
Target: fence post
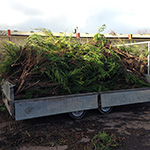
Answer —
77 35
8 32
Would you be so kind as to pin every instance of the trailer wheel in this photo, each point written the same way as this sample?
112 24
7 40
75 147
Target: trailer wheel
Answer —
105 110
77 114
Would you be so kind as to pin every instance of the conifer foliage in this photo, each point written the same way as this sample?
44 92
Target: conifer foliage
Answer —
49 66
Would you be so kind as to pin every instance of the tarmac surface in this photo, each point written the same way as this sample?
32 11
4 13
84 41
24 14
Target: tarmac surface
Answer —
130 124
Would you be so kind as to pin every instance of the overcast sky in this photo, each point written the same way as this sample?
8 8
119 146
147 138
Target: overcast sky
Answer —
121 16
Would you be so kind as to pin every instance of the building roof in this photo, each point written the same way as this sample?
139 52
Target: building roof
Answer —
82 35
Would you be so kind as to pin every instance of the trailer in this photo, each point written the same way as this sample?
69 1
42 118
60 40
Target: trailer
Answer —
76 104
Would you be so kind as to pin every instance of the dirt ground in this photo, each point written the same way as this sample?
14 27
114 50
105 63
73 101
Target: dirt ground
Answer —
130 124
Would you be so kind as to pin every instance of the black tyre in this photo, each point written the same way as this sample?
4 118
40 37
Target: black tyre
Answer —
105 110
77 114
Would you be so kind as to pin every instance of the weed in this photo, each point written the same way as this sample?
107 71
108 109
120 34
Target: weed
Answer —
104 141
2 107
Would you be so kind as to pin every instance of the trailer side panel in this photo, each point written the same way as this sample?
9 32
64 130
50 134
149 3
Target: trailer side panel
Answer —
27 109
125 97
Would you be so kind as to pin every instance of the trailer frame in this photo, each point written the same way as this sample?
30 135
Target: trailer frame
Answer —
46 106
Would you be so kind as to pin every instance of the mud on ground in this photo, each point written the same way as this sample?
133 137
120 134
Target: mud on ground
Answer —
130 124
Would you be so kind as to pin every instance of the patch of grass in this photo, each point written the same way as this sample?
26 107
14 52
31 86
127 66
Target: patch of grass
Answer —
2 107
104 141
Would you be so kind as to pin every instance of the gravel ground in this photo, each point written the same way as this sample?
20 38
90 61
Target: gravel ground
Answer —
130 124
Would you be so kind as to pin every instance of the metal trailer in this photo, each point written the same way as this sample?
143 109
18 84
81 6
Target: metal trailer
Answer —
76 105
